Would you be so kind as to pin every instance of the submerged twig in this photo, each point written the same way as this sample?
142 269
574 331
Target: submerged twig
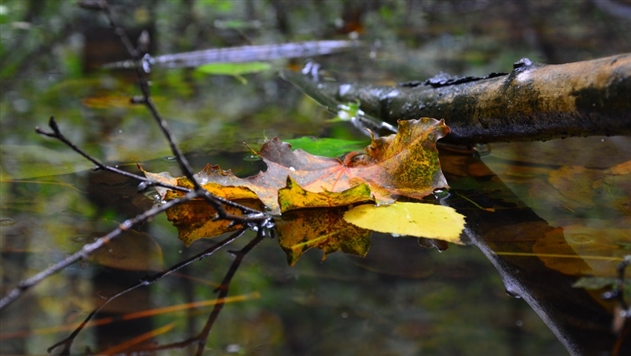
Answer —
67 342
223 289
89 249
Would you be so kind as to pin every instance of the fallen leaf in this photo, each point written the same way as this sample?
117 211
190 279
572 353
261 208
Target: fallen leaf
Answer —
409 219
195 220
324 229
234 68
294 197
402 164
328 147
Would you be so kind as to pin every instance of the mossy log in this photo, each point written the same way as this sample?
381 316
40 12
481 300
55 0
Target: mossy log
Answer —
533 102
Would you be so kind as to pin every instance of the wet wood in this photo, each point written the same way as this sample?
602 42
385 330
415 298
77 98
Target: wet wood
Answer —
531 103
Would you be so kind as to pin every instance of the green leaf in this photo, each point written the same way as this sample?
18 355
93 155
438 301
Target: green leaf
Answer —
409 219
327 147
235 69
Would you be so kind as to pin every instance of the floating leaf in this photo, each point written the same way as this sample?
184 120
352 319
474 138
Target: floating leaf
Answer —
402 164
294 197
409 219
234 68
195 220
327 147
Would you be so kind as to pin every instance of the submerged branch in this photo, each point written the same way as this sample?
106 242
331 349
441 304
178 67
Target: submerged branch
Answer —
89 249
67 342
531 103
223 290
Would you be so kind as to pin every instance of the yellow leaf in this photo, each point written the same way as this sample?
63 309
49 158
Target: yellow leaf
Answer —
293 197
411 219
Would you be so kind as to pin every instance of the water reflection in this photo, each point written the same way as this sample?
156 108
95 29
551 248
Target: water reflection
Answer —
400 299
412 298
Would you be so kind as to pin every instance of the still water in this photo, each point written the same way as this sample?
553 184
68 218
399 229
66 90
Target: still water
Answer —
539 215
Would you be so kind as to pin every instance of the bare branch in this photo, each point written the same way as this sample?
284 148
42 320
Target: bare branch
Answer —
253 215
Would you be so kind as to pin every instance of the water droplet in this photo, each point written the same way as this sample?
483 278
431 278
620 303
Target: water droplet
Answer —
251 158
513 294
580 238
440 193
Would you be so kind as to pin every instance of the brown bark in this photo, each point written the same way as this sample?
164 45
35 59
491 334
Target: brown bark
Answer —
531 103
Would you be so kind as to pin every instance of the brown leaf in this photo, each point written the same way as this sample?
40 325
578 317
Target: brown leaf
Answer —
402 164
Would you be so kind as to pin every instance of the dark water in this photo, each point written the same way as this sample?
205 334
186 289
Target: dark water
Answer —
540 215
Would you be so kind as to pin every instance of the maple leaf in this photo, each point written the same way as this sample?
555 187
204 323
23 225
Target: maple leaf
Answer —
195 220
402 164
324 229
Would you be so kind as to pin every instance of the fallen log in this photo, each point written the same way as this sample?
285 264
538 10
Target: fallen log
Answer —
533 102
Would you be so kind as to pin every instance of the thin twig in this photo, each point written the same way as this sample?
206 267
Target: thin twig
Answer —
67 342
142 69
253 215
58 135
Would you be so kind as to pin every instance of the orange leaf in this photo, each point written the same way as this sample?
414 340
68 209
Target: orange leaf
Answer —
402 164
196 219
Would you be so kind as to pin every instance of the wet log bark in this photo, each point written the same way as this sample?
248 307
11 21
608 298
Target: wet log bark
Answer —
531 103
